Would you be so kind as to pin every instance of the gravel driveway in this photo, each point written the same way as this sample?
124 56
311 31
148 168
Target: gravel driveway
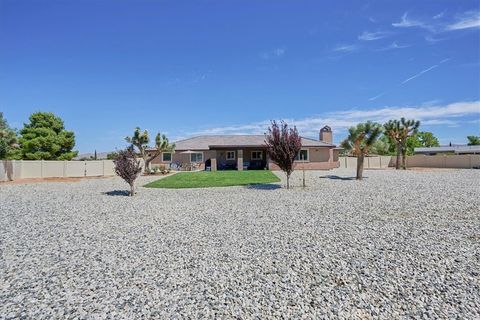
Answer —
396 245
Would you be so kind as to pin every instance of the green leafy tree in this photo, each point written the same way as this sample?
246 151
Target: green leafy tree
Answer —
8 138
421 139
112 155
382 146
412 143
359 141
473 140
45 138
428 139
399 131
140 140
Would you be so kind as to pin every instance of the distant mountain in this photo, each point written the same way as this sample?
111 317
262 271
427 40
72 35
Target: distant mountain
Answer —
100 156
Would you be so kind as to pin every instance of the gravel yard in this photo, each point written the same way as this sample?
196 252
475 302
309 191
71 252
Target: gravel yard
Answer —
396 245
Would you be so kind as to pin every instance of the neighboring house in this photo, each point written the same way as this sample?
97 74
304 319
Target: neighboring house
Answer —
453 149
247 152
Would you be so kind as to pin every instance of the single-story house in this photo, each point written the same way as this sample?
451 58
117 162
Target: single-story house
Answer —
452 149
247 152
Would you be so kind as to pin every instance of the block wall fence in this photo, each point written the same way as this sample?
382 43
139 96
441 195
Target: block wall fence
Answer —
24 169
464 161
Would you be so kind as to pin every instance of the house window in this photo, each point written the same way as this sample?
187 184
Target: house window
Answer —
230 155
302 155
167 157
257 155
196 157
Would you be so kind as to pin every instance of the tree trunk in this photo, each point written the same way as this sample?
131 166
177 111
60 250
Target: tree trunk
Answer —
147 160
404 158
146 163
399 150
132 189
288 181
360 159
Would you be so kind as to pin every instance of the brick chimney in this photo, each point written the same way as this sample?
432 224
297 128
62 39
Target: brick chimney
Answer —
326 134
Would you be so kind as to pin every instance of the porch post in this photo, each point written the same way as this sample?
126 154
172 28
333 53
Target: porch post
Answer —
240 160
213 162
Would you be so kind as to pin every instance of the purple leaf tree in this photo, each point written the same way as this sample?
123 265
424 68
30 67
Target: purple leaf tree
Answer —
283 144
128 168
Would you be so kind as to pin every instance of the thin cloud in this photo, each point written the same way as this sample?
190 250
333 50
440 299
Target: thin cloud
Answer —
432 40
406 22
274 53
345 48
424 71
437 122
377 96
371 36
438 16
410 78
467 20
449 114
394 46
420 73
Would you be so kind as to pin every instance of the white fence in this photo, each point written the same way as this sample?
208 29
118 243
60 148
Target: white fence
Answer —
23 169
464 161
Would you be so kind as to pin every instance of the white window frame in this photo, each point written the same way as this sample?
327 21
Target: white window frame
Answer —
255 158
171 156
234 155
201 160
308 155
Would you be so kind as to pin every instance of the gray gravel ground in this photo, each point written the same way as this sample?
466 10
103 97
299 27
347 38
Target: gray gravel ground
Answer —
396 245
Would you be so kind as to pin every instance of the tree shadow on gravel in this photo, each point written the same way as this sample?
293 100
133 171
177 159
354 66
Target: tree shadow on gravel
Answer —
332 177
117 193
263 186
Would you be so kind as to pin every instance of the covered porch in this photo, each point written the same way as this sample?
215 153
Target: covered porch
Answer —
237 159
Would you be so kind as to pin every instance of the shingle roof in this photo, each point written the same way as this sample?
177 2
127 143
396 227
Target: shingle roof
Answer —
446 149
223 141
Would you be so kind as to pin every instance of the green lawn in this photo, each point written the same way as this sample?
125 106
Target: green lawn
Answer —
206 179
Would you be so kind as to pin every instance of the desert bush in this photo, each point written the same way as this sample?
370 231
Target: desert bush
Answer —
128 168
164 169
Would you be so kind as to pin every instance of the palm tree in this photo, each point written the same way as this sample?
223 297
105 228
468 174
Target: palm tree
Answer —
359 140
399 131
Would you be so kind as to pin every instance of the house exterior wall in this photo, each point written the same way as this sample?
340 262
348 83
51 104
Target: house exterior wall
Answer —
246 154
308 165
179 157
318 154
319 158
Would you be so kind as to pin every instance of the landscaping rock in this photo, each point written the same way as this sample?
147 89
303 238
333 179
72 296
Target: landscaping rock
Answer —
399 244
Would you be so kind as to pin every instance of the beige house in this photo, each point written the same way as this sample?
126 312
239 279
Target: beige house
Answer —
247 152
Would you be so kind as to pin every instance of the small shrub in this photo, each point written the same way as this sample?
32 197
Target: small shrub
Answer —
164 169
128 168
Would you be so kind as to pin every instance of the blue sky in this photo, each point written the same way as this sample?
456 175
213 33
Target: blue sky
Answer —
227 67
